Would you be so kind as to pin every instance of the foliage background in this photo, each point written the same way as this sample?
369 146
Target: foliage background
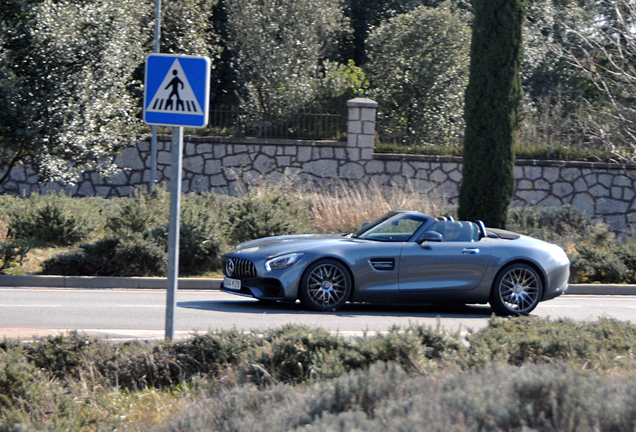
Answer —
72 70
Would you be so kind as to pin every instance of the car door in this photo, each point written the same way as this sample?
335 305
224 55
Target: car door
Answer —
442 266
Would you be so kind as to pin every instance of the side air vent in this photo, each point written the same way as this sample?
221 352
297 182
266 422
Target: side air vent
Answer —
382 264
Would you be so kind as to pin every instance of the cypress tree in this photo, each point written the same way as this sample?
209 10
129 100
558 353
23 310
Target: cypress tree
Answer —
491 111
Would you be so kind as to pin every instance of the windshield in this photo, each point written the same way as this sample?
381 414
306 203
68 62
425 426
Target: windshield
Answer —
392 227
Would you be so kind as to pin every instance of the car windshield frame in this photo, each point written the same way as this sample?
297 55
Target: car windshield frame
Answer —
392 227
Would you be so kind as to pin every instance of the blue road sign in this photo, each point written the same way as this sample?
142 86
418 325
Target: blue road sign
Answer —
177 90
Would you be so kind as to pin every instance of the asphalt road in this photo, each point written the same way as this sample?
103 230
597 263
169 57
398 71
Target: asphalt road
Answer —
124 314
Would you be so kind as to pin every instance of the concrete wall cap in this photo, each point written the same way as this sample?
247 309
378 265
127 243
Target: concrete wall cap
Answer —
362 103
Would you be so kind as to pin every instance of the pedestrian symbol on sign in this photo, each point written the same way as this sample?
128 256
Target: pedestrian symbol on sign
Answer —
175 94
175 90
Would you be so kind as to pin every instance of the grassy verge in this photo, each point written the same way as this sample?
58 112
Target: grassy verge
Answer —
517 373
128 236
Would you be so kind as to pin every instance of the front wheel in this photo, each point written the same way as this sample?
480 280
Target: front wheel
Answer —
517 290
325 286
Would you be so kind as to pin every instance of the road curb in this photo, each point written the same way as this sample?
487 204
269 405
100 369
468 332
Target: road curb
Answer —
103 282
601 289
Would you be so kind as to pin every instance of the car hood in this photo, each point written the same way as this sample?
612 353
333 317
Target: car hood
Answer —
272 246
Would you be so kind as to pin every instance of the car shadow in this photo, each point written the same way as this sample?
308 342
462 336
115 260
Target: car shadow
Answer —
349 310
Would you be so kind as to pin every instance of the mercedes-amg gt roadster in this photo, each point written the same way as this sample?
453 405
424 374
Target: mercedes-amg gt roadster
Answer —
403 257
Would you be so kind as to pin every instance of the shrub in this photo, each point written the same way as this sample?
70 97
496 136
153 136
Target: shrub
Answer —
386 398
140 212
200 234
264 213
561 221
54 220
134 255
550 373
603 265
137 238
602 345
12 253
4 230
595 253
20 385
566 226
626 252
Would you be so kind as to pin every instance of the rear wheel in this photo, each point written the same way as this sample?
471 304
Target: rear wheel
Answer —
517 290
325 286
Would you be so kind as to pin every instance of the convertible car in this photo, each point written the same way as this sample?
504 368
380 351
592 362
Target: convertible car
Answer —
402 257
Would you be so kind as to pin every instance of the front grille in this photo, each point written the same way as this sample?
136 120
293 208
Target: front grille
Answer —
243 269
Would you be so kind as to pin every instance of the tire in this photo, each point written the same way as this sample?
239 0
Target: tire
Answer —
517 290
325 286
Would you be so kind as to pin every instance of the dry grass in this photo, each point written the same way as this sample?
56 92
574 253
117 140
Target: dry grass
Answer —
346 208
32 264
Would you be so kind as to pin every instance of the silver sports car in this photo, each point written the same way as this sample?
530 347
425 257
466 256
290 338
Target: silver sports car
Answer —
402 257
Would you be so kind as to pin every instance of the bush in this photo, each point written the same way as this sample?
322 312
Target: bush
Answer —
602 345
595 253
591 263
134 255
200 234
53 220
265 213
137 239
12 253
386 398
541 221
140 212
550 373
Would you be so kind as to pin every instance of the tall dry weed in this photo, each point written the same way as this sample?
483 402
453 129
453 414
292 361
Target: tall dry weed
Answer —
345 207
342 206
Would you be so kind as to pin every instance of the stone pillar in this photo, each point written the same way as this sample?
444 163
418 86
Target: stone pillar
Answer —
361 129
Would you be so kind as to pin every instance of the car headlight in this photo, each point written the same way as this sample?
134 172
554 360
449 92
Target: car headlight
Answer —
282 262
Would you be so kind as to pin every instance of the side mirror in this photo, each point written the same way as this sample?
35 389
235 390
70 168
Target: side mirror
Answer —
432 236
365 224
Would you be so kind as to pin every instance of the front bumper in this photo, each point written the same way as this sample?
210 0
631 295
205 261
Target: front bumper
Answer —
260 283
259 288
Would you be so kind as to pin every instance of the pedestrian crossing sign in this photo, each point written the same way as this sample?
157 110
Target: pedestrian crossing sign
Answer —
177 90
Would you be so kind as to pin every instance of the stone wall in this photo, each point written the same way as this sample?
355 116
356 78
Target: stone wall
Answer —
603 191
229 165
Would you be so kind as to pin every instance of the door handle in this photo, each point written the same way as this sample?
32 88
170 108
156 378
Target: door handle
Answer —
471 251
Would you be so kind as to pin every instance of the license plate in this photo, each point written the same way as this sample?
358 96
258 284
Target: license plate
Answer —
234 284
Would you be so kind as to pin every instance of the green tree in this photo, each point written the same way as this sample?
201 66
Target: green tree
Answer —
280 50
66 70
225 86
491 111
187 27
418 69
365 15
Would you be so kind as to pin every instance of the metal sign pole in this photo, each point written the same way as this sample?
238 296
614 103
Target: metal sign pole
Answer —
153 140
176 94
176 149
